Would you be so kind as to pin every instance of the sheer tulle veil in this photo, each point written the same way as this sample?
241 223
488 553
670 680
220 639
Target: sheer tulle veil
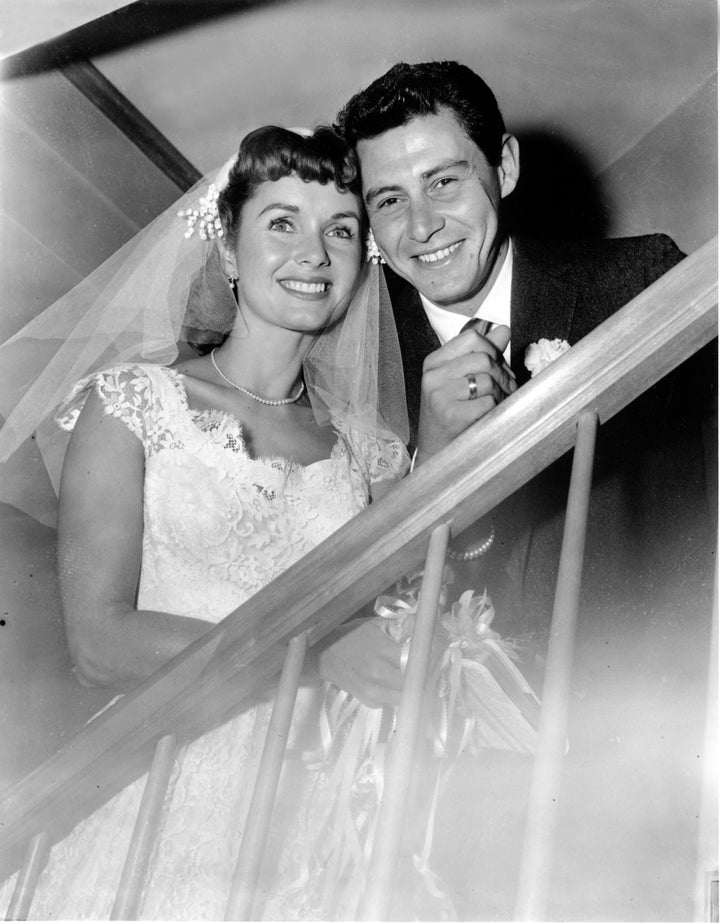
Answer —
159 293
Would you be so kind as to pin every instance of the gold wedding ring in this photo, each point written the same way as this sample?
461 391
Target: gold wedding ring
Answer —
472 387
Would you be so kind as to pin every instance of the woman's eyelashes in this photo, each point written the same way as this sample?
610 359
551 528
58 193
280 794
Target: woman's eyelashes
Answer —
281 224
343 230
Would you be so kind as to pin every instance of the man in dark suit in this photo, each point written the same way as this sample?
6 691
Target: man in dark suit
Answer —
649 510
436 165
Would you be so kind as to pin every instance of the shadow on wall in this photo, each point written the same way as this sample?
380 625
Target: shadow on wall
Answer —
558 195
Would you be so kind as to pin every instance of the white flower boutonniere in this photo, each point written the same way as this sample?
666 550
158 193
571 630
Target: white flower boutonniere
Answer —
541 354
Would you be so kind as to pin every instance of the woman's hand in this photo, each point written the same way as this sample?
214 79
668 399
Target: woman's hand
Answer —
362 659
100 535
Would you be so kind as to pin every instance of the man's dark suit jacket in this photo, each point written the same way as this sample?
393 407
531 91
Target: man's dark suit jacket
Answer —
650 528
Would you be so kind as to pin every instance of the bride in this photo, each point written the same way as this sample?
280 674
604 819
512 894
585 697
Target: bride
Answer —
191 480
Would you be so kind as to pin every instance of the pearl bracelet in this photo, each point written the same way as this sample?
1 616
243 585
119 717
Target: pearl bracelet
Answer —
474 551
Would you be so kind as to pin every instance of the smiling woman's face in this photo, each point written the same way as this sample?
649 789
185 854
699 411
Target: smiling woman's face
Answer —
298 254
433 201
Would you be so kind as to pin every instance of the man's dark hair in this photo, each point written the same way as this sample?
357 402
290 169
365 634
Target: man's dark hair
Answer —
407 91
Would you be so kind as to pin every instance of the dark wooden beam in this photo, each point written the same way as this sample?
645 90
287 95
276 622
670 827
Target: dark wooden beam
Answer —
141 21
144 135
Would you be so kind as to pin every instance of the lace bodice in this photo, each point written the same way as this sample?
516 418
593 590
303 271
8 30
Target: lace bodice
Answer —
220 524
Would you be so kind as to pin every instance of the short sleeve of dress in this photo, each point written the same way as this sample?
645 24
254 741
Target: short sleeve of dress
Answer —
383 459
126 393
388 459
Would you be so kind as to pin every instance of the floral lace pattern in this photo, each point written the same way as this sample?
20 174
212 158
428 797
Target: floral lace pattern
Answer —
219 525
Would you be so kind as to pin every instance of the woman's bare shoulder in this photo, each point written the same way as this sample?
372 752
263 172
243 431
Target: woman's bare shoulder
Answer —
193 367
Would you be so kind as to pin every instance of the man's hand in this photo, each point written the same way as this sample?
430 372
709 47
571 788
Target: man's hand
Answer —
445 410
363 660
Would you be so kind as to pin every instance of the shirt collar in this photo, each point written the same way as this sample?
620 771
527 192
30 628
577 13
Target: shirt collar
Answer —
495 306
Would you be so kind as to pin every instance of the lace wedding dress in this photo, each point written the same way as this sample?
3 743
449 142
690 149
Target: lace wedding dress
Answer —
219 525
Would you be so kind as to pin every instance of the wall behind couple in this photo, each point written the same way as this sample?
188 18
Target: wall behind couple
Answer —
614 103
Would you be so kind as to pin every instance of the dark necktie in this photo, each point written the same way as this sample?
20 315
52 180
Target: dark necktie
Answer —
483 327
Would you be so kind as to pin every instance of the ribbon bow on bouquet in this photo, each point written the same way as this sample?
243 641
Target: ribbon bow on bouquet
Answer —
477 692
477 698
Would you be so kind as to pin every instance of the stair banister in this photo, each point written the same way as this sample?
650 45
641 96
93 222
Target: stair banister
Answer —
628 353
544 798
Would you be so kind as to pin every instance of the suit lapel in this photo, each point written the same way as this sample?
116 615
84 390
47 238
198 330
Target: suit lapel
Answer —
417 340
542 303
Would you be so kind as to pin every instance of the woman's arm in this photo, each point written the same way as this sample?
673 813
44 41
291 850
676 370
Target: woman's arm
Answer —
100 533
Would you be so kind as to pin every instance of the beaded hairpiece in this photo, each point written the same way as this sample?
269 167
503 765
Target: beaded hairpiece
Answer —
205 217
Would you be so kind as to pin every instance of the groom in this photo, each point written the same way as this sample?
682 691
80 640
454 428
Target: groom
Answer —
437 164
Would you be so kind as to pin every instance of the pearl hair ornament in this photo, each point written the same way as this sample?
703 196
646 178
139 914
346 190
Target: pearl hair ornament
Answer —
205 218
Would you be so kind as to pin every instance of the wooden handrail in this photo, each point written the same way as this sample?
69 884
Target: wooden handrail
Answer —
632 350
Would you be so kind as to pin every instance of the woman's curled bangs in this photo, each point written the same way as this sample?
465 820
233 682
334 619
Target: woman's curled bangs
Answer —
271 153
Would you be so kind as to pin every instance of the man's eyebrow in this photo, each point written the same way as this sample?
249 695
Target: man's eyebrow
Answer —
428 174
445 165
281 205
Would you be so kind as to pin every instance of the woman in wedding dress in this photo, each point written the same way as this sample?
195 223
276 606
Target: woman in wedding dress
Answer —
191 481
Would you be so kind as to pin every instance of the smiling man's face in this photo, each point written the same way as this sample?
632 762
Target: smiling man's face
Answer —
433 202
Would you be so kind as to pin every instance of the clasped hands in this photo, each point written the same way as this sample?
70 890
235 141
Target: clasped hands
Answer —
360 657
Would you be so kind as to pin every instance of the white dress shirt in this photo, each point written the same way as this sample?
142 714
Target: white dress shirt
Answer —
495 307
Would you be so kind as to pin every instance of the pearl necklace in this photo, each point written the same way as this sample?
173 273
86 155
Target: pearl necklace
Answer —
256 397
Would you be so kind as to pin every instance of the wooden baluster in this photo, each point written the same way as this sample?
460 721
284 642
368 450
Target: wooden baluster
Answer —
249 860
146 832
706 886
544 799
24 891
377 898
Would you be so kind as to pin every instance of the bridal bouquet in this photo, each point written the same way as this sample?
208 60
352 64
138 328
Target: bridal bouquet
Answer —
476 698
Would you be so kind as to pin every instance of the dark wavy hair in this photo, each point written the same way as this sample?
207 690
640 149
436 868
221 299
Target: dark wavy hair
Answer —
271 153
408 91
